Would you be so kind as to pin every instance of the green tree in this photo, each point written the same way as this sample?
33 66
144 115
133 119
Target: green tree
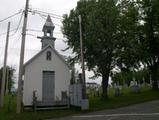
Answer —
99 26
123 77
142 75
129 24
149 37
140 37
10 76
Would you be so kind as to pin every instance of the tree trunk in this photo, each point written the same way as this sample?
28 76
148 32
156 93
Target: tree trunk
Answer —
105 80
154 77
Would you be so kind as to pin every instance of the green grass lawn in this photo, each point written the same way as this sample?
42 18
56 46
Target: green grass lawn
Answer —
125 99
9 112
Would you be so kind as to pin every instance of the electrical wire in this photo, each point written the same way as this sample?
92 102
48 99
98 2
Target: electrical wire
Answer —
55 37
10 16
16 41
45 14
35 30
18 26
53 10
1 34
42 14
11 50
31 35
19 49
44 17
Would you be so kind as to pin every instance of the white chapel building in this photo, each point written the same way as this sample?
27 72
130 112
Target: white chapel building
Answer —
46 73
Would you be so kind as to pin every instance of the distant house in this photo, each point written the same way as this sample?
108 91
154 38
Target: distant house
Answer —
47 74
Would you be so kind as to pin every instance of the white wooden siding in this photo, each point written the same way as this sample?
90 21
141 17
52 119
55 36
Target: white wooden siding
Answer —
33 76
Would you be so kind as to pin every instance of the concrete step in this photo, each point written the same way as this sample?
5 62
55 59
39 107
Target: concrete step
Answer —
52 103
52 108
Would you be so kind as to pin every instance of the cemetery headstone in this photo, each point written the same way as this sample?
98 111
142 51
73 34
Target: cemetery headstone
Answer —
117 90
134 86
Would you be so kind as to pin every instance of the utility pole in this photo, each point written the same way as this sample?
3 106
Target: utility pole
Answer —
4 68
21 67
82 59
6 92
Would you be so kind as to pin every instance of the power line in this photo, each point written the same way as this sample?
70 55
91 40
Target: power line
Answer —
16 29
17 40
31 35
19 49
39 9
55 37
1 34
10 16
45 14
35 30
18 26
44 17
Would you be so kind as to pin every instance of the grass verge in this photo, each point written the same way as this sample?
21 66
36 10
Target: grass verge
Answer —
124 100
8 111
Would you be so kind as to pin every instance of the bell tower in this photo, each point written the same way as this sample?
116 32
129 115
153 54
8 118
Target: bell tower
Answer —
48 29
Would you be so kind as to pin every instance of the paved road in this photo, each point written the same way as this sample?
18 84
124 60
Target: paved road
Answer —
143 111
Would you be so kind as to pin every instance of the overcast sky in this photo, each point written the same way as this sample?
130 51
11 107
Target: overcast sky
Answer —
35 21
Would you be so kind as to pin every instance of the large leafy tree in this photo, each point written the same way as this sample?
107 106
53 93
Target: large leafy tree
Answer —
140 36
149 37
128 51
99 26
128 29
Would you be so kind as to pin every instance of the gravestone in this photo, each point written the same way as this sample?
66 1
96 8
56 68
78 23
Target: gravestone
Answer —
134 86
117 90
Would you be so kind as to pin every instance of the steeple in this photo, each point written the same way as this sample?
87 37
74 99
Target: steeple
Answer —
48 29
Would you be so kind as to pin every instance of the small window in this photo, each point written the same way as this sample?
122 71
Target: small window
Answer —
48 55
48 34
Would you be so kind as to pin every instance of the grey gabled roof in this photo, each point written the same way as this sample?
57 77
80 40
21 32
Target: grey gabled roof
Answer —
33 58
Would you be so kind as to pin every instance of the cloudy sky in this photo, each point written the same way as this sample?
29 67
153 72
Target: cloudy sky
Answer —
35 24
